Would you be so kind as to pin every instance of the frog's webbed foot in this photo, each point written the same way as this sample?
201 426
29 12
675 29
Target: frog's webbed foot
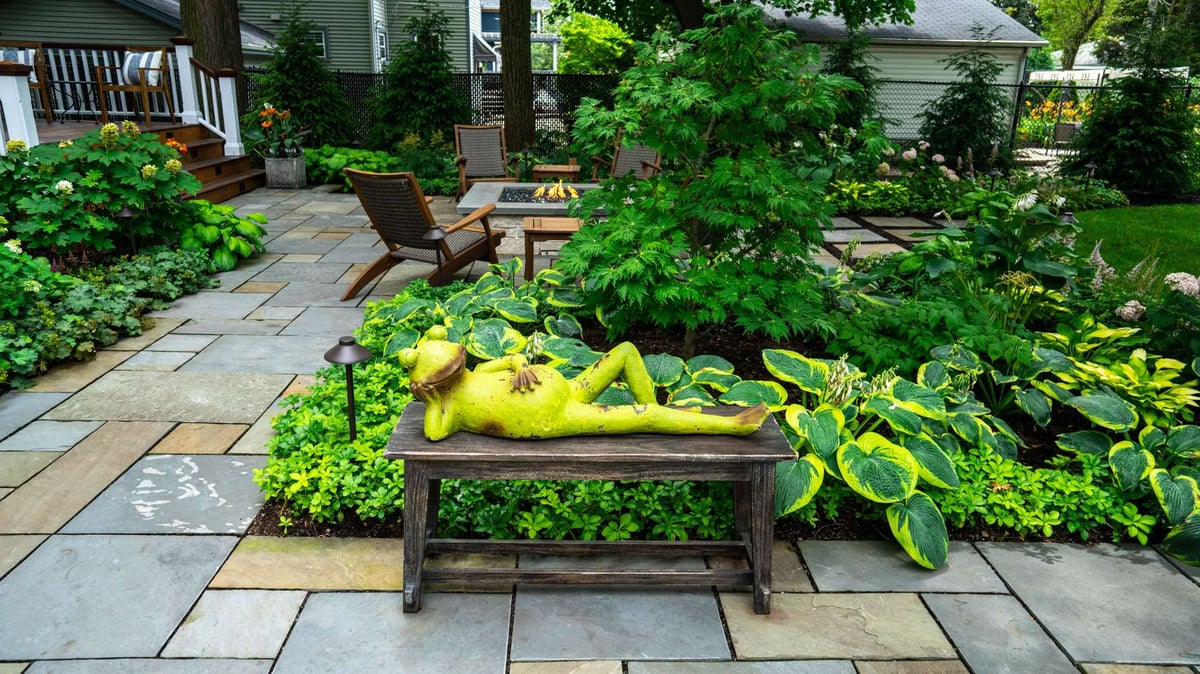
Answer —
525 379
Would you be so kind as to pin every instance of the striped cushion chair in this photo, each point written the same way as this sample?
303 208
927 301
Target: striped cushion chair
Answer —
142 71
30 54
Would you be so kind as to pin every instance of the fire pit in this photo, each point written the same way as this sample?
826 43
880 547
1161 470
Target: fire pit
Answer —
514 202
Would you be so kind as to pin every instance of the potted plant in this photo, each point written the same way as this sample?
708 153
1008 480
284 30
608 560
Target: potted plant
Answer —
278 138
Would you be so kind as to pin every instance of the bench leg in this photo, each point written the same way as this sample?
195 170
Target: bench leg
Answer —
762 532
741 513
416 528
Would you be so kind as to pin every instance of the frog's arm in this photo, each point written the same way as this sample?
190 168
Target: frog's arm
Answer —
440 422
524 380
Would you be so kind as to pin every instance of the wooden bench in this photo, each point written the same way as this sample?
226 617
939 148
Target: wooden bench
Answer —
748 462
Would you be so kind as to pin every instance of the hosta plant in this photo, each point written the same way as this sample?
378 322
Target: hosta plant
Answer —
219 231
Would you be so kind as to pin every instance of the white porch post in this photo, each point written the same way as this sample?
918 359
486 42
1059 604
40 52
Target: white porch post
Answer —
16 104
230 122
188 109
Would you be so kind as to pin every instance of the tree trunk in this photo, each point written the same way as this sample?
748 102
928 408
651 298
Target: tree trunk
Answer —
215 27
516 74
690 13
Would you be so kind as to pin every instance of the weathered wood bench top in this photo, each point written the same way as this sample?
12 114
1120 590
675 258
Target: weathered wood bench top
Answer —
749 462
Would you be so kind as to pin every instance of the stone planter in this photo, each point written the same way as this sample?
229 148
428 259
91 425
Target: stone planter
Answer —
285 172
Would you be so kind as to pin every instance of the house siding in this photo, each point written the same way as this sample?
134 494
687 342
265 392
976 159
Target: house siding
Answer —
347 25
456 13
81 22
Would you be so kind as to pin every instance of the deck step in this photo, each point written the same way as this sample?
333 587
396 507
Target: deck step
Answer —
209 170
231 186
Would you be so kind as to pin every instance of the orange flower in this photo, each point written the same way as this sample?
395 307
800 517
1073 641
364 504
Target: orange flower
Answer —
266 124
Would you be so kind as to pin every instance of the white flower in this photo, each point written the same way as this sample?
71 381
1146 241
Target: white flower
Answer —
938 159
883 169
889 152
13 246
909 154
64 186
32 286
1130 311
1185 283
923 145
1060 200
1026 201
63 144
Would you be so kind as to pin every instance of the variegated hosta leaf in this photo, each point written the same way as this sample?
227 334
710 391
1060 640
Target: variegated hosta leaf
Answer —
487 283
691 396
457 326
708 362
933 375
957 358
1178 496
1183 542
822 428
1049 360
401 339
920 400
965 426
494 338
1184 441
920 529
563 325
902 421
796 483
567 298
878 469
934 466
1052 390
1106 411
1035 404
717 380
1086 442
563 347
996 442
517 311
664 369
615 395
393 315
751 393
949 443
551 277
808 374
1130 464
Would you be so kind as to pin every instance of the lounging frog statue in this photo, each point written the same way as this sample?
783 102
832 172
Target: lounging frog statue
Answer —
510 398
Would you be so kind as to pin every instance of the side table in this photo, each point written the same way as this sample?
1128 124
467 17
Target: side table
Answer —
568 172
545 229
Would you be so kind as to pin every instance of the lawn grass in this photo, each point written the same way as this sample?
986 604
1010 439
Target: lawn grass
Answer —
1131 234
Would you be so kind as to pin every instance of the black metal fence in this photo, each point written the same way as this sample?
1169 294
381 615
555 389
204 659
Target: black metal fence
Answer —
555 97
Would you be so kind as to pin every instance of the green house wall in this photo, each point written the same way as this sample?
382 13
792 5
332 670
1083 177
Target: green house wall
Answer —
80 22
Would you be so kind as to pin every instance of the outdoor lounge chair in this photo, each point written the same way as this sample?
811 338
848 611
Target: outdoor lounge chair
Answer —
144 71
481 156
399 213
640 159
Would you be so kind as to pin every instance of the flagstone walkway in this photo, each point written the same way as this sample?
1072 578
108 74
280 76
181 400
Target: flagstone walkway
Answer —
126 491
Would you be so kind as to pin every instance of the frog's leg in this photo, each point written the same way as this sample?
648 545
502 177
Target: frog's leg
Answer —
624 362
581 418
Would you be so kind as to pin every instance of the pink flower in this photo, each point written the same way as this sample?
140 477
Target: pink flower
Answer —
1130 311
938 159
888 152
923 145
909 154
1185 283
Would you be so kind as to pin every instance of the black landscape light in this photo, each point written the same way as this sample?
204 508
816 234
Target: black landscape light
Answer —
1068 218
127 214
994 173
348 353
1091 171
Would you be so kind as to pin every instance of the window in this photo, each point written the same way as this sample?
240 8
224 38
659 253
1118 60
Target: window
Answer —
319 37
490 22
381 43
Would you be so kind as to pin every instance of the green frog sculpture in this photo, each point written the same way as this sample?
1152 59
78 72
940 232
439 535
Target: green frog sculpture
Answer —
510 398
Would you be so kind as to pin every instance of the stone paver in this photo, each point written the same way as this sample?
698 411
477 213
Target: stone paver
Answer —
200 439
202 397
182 343
49 436
230 281
996 634
1109 668
18 408
613 622
14 548
104 596
236 624
845 223
232 327
301 354
148 666
276 313
848 235
793 667
302 257
5 491
301 294
156 361
910 667
1158 621
307 272
177 494
834 626
254 441
19 667
326 321
460 633
581 667
210 305
264 562
70 377
887 222
259 287
883 566
55 495
17 467
867 249
787 573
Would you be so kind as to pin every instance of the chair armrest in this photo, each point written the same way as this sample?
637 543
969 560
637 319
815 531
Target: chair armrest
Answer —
479 214
460 160
100 79
647 166
596 162
429 200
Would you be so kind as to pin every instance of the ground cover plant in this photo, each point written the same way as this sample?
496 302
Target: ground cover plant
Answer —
96 234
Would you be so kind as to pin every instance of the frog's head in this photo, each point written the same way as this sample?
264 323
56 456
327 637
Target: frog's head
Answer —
435 364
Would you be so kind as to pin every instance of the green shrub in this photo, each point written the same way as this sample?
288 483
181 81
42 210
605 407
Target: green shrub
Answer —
220 232
432 160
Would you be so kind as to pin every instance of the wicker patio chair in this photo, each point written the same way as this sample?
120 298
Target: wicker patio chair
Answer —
399 213
638 159
481 156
